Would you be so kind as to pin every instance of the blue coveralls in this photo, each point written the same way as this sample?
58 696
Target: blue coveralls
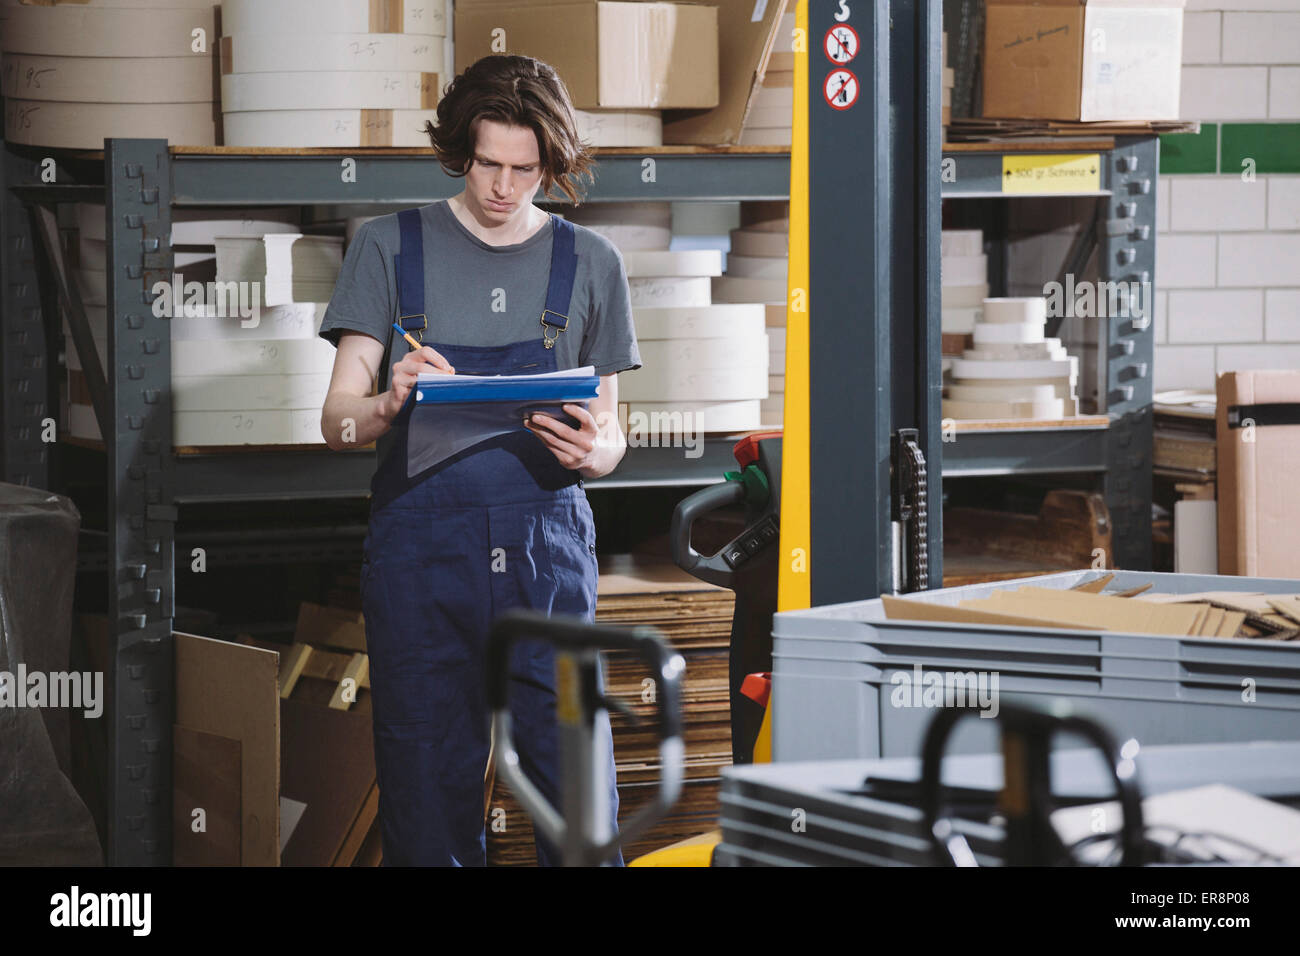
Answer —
502 525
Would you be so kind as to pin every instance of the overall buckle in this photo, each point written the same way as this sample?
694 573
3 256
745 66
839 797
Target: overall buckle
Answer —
419 333
550 340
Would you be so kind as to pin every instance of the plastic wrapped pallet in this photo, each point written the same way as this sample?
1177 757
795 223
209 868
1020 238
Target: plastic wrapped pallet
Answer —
44 821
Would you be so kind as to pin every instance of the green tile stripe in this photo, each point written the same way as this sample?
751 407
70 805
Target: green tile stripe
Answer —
1190 152
1274 147
1221 148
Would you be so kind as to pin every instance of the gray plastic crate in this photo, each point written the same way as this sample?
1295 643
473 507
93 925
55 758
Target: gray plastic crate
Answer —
834 668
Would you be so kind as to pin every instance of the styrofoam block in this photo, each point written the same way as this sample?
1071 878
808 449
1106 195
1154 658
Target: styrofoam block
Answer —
176 79
643 264
702 416
621 213
766 137
736 289
87 125
199 227
1002 332
615 128
1196 537
964 296
1008 351
392 90
323 128
295 321
1017 392
706 354
665 383
249 356
277 52
975 369
964 270
758 242
663 293
959 321
632 237
1015 310
757 267
247 427
961 242
421 17
710 321
76 30
1053 408
212 393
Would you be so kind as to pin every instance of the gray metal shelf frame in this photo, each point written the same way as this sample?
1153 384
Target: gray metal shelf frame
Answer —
875 280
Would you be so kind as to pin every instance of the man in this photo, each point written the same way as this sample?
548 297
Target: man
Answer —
490 284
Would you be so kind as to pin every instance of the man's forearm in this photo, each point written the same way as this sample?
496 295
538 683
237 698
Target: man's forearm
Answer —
609 451
350 421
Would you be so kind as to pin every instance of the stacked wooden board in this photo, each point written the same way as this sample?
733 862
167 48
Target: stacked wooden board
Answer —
696 618
331 72
704 365
75 74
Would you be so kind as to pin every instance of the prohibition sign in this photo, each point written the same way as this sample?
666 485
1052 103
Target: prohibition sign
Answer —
842 43
841 89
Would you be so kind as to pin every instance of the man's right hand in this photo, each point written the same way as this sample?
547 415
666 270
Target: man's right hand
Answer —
406 373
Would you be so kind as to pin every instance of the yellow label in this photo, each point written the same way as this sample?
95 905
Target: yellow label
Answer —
568 700
1051 174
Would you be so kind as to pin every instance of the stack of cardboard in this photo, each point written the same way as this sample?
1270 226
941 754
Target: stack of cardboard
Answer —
1258 427
1205 614
696 619
623 63
963 270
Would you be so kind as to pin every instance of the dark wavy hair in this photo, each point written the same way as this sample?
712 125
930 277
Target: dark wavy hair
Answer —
516 91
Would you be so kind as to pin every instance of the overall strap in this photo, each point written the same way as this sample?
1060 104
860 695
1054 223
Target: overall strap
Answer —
559 288
409 265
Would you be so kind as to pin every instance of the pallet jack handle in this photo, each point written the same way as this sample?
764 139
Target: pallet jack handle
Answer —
1027 733
583 829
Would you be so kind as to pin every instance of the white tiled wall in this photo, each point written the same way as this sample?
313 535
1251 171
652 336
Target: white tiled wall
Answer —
1228 250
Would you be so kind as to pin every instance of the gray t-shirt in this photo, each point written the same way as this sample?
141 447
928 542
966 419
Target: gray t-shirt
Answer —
476 294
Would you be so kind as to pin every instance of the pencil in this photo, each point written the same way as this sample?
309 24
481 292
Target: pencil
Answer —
407 335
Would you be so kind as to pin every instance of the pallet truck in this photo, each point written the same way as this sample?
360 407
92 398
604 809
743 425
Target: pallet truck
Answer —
747 565
581 827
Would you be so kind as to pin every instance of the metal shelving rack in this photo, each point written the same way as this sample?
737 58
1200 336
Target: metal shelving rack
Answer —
877 327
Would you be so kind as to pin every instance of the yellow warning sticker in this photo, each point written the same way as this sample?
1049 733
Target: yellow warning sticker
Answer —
1055 173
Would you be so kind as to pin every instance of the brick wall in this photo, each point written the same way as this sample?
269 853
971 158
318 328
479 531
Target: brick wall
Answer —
1228 247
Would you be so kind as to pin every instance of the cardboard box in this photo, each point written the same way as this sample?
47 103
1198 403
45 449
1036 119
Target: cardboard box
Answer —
1088 61
1259 510
748 49
611 55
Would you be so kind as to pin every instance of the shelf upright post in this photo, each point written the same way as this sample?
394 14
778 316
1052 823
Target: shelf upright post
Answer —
24 405
1126 234
141 515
